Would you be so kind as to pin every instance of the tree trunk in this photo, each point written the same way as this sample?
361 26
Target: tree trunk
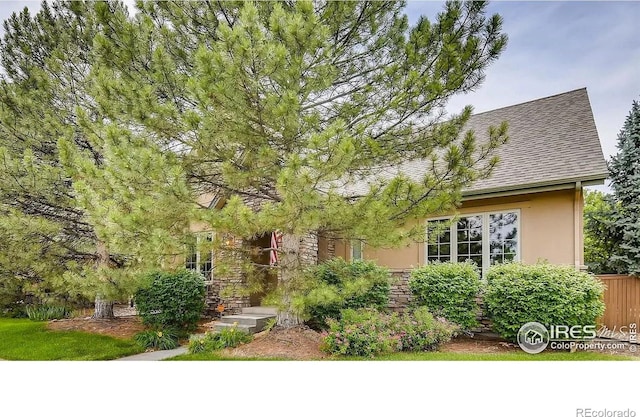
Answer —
103 309
290 265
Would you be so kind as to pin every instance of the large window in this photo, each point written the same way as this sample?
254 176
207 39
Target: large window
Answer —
484 239
200 254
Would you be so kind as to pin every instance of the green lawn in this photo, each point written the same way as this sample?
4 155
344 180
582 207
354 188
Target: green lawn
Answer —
22 339
437 356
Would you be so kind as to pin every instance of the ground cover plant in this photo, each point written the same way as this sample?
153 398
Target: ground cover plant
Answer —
46 312
212 341
157 339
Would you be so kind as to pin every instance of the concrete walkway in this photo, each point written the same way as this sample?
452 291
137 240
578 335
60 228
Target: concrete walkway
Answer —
158 355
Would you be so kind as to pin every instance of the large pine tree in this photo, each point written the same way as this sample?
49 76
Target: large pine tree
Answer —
624 170
309 107
111 123
81 210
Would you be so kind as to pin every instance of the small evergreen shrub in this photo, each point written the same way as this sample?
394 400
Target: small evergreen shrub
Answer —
363 332
449 290
228 337
46 312
157 339
171 300
420 331
337 285
549 294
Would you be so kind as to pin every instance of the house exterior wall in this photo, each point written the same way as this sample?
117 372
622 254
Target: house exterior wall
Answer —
550 230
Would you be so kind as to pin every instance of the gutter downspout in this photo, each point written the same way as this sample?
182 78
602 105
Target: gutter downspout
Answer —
578 241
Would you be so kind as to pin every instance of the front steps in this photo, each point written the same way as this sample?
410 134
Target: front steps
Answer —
251 320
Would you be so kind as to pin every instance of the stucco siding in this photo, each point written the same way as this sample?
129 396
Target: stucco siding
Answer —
548 230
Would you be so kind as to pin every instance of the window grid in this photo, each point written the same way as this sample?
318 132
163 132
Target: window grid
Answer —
485 238
198 261
440 248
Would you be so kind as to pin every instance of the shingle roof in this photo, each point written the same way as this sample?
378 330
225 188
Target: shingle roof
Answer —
552 140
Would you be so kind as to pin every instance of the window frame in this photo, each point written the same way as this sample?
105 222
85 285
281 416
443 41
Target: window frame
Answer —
352 244
199 236
486 248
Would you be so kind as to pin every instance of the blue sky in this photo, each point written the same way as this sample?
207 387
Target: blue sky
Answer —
556 47
553 47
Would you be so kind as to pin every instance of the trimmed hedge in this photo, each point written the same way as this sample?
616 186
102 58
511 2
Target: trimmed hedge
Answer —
448 290
549 294
336 285
173 300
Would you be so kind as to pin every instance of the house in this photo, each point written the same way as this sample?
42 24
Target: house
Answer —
529 209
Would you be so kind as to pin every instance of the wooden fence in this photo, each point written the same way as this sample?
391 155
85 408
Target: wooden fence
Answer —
622 300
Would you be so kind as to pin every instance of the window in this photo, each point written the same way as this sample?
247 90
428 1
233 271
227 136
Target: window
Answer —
356 249
440 248
200 254
503 237
485 239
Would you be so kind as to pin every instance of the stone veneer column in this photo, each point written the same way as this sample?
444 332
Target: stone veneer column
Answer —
230 286
399 294
309 249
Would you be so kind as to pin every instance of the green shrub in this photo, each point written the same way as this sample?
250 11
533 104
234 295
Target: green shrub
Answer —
171 300
549 294
228 337
368 332
420 331
337 285
45 312
448 290
363 332
157 339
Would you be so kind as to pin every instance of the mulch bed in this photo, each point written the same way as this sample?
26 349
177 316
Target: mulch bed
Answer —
298 343
120 327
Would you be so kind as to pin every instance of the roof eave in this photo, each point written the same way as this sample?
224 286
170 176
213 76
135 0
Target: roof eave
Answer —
543 186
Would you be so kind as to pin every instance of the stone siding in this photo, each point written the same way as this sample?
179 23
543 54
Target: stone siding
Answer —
400 298
400 295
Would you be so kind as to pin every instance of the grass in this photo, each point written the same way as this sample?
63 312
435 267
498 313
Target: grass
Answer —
433 356
505 356
22 339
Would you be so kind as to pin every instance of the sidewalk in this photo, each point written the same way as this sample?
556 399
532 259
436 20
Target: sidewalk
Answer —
155 356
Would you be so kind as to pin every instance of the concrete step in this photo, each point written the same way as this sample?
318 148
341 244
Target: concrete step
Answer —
260 310
259 320
240 327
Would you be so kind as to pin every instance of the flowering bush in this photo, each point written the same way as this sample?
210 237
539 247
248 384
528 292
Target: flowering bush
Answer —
368 332
364 332
420 331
